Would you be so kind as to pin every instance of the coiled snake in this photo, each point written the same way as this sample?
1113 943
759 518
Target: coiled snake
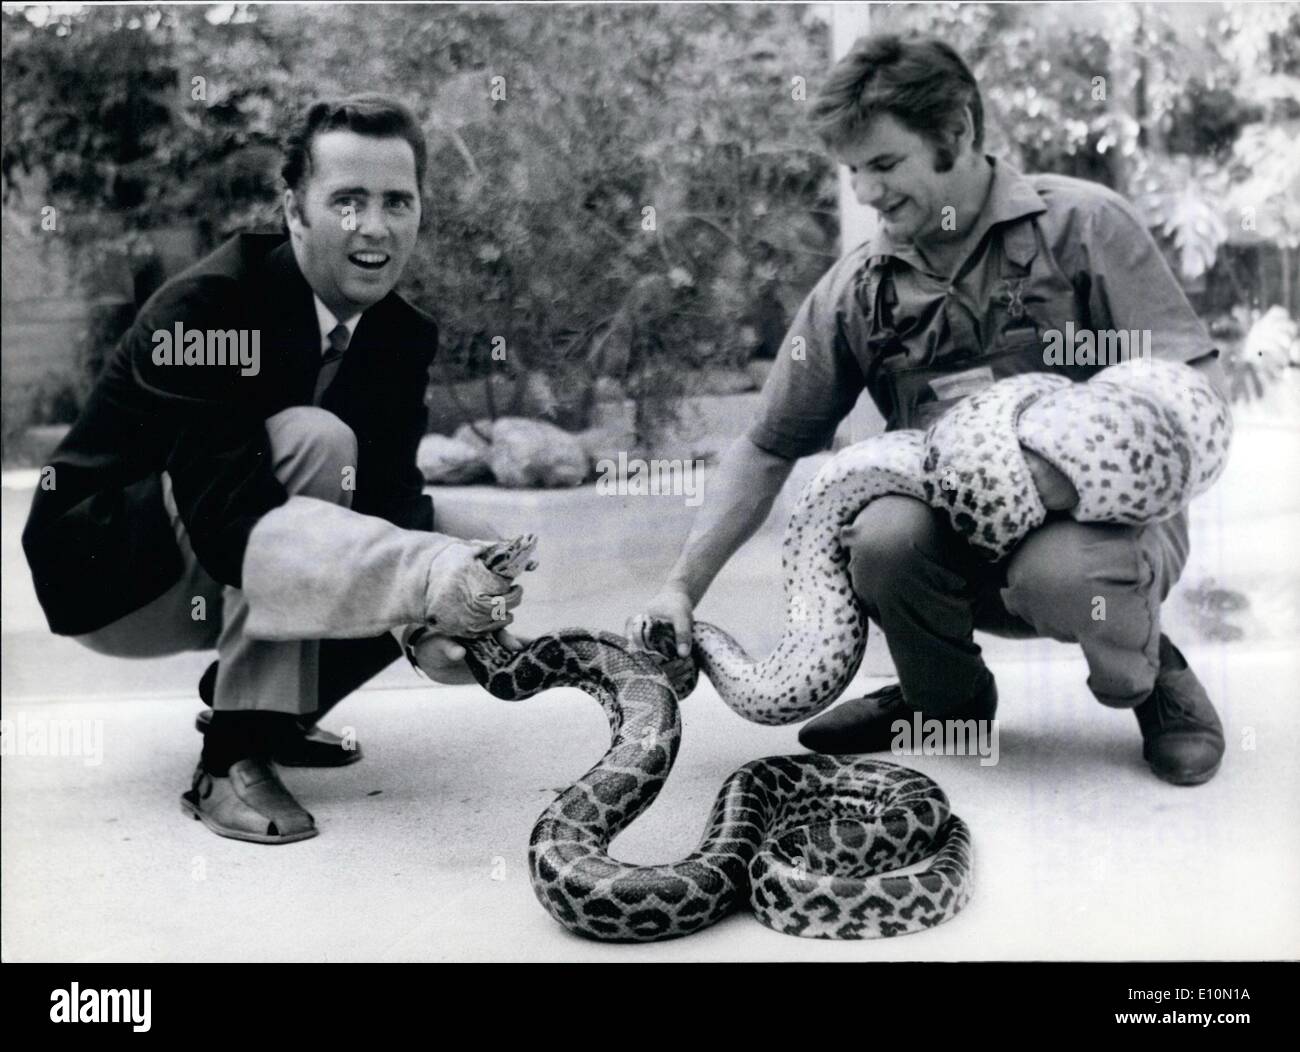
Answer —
815 842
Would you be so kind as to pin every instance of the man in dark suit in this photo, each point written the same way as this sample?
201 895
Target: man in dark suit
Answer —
243 476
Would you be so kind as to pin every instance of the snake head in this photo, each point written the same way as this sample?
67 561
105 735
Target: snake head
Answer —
657 639
510 558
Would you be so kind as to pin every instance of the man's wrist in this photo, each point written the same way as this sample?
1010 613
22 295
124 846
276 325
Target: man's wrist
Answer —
683 587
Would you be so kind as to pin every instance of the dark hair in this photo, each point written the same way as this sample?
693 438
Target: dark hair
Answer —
377 116
919 80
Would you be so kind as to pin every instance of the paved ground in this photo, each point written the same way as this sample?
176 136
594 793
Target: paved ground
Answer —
1081 853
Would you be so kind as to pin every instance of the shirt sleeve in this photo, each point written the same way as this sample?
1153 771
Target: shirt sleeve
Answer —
816 379
1131 286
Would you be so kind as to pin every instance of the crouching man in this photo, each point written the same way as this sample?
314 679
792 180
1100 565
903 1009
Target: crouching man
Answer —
973 268
266 501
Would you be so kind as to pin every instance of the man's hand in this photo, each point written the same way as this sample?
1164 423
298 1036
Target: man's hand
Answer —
464 597
443 659
673 605
1057 491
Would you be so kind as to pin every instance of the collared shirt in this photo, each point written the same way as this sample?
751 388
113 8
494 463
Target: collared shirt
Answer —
1010 196
1046 252
328 322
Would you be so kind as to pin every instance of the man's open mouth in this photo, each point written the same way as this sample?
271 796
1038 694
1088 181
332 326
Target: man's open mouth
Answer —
369 260
891 212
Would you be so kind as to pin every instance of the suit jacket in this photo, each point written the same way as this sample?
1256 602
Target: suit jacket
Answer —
99 541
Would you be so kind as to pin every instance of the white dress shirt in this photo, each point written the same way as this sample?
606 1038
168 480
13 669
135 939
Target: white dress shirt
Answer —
328 323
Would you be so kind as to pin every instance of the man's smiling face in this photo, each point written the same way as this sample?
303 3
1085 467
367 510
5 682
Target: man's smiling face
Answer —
891 169
356 220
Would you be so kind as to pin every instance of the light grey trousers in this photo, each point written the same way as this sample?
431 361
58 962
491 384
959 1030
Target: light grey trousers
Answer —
310 450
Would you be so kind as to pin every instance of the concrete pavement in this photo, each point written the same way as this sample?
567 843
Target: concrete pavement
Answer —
1081 853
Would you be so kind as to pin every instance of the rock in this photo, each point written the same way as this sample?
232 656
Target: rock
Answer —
466 433
449 462
534 453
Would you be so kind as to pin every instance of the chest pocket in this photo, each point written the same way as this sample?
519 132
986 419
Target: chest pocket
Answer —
1027 296
886 357
1022 294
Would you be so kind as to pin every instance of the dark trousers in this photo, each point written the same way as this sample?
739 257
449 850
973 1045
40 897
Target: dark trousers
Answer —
1097 585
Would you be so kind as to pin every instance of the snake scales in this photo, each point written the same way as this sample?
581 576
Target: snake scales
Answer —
815 843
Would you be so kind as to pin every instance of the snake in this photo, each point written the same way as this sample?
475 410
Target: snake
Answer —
1138 442
824 846
811 843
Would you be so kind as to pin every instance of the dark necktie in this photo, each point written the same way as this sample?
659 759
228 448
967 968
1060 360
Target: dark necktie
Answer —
331 360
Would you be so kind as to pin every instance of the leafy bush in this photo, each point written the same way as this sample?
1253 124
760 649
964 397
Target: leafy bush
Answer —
632 191
637 195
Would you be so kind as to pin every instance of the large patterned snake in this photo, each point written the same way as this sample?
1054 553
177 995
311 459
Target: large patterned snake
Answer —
815 843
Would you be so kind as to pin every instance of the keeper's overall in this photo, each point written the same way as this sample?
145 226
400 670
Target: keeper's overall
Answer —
1046 251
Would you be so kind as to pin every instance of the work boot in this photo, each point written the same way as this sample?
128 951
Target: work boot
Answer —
1182 738
866 724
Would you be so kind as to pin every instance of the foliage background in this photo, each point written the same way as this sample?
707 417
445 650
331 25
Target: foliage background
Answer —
535 203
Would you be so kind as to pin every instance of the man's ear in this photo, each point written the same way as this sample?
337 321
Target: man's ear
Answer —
293 214
958 133
966 133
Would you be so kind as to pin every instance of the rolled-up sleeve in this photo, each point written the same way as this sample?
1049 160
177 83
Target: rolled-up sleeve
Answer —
1132 288
816 379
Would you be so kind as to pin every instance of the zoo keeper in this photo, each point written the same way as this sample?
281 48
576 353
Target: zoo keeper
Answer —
273 512
975 272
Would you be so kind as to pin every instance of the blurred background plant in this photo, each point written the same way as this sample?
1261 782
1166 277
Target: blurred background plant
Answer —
637 203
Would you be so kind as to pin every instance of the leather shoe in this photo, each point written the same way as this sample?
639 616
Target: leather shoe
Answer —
314 747
249 803
1182 738
866 724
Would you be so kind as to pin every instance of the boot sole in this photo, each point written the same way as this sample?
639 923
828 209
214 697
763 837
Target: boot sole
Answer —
1188 780
353 756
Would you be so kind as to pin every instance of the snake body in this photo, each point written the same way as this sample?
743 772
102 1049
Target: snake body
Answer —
813 842
1138 442
806 841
